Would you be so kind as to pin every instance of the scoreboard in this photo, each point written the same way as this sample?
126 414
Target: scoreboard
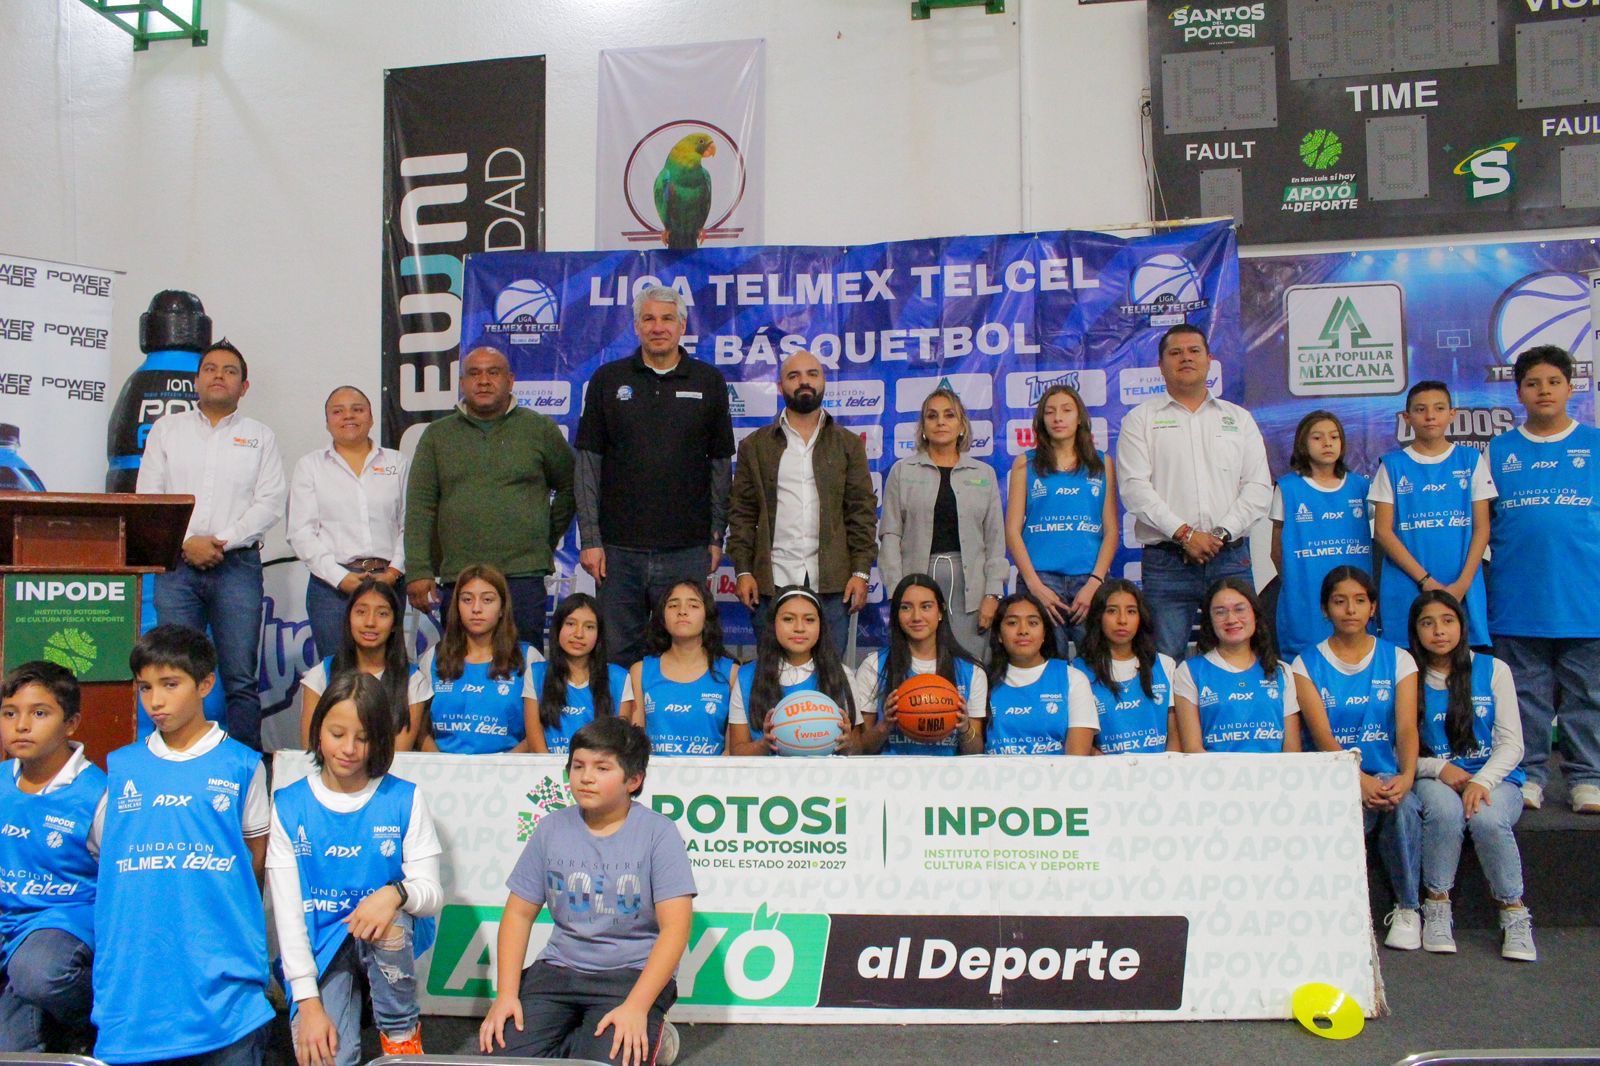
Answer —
1311 120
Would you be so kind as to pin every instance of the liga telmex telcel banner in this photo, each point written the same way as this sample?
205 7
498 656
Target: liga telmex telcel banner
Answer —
952 890
997 318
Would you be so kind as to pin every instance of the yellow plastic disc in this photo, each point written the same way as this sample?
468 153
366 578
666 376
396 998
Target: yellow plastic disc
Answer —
1327 1011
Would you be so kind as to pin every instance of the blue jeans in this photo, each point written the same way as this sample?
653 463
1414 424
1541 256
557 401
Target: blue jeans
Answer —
528 597
1175 589
1557 675
1493 838
227 598
834 616
47 977
562 1007
1067 587
1399 846
635 579
325 610
390 974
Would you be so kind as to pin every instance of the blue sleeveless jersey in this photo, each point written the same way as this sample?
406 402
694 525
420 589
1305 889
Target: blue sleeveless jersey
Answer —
1030 720
1238 712
476 714
1360 706
47 876
747 681
686 717
1546 529
1132 723
181 965
343 857
900 744
1064 520
1321 530
579 709
1435 708
1433 519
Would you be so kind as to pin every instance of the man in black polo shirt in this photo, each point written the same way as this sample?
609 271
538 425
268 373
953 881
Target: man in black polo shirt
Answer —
655 455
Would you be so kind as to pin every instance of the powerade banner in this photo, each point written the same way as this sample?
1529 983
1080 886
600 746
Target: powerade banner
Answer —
1327 120
999 319
895 891
463 171
1350 332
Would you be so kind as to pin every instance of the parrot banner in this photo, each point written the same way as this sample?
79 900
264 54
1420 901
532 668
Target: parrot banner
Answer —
999 319
681 143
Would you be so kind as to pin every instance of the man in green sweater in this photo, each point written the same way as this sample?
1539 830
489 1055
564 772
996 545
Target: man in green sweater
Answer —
490 483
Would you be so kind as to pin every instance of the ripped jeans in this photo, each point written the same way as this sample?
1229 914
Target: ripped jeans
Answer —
390 971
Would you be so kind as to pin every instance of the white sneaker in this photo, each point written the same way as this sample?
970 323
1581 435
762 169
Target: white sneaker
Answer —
1436 922
1586 799
1405 929
667 1045
1532 796
1517 925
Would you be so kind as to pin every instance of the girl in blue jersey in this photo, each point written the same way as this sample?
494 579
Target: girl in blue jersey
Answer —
480 675
793 654
1468 779
1130 680
920 642
1038 704
578 684
352 864
1359 692
1061 513
1235 695
1430 517
374 643
1319 521
682 685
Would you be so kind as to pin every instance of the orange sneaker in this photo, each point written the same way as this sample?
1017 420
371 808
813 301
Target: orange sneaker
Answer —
411 1045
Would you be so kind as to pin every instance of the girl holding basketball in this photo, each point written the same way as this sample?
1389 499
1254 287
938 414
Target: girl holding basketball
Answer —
682 685
1235 695
1319 521
793 654
577 685
479 674
374 643
1038 704
1061 514
1359 692
1469 778
1130 680
920 642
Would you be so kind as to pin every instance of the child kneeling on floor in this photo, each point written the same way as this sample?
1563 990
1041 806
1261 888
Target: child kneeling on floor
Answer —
617 880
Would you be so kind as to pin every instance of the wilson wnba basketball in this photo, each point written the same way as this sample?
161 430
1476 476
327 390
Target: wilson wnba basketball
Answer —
805 723
927 707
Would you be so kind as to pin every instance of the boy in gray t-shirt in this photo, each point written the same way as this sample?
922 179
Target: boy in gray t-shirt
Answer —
617 880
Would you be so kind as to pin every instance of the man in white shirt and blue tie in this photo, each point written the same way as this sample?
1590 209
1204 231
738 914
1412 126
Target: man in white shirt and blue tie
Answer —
229 463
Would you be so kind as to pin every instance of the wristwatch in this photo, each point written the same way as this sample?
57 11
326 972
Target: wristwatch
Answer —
1222 534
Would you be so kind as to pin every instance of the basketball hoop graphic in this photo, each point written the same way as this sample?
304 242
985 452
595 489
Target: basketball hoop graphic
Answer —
727 183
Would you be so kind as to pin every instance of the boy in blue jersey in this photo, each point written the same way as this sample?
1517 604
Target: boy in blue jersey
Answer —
617 880
185 835
1545 533
51 804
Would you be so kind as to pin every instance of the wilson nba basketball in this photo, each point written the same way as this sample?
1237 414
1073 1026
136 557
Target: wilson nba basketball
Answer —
805 723
927 707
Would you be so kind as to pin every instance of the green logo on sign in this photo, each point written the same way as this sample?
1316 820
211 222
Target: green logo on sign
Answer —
547 797
71 648
1321 149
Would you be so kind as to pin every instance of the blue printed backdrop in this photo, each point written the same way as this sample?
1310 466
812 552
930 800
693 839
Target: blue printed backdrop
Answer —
1352 331
999 317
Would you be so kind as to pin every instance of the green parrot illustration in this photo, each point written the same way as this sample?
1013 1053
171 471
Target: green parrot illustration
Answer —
683 192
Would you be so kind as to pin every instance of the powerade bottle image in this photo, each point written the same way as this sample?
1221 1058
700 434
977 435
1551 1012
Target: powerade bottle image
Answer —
15 474
172 333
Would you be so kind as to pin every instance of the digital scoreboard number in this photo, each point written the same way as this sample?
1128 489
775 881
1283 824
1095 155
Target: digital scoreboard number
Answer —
1334 119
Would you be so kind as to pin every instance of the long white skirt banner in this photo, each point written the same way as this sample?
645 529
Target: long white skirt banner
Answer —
900 890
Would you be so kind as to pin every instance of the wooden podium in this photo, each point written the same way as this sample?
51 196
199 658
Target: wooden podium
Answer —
47 538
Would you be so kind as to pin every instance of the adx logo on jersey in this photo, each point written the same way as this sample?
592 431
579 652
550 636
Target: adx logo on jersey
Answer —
1488 170
525 311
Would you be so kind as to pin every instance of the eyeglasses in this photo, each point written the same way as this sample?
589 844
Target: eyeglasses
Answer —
1238 610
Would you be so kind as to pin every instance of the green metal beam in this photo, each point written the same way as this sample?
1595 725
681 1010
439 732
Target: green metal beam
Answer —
921 9
133 16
